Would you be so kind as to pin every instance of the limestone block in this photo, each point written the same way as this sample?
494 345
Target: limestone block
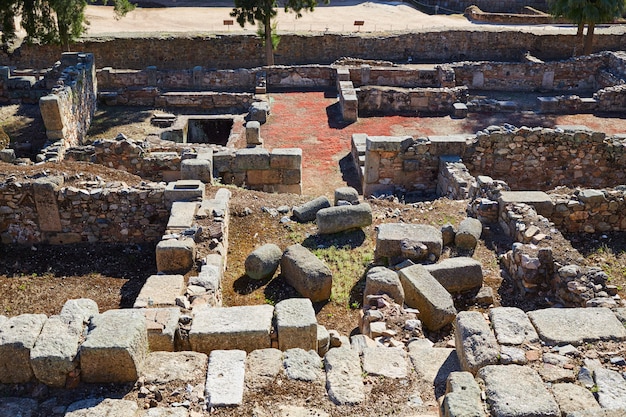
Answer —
166 367
253 133
476 346
463 396
175 256
381 280
302 365
263 262
572 397
55 353
259 111
306 273
611 389
184 190
81 308
160 291
433 365
17 407
291 176
51 112
458 274
343 376
17 338
102 407
165 412
252 159
286 158
263 177
296 324
197 169
308 211
115 348
225 378
538 199
182 215
390 237
385 361
348 194
468 234
245 328
323 340
262 367
342 218
528 396
162 326
512 326
459 110
424 292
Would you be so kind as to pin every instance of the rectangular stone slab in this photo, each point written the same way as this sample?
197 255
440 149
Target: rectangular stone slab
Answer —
17 338
296 324
390 236
538 199
160 291
246 328
225 377
576 326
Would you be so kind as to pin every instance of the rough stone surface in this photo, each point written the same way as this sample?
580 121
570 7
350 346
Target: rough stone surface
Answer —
390 236
263 262
527 397
115 348
343 376
512 355
165 412
572 397
433 365
462 396
162 325
302 365
424 292
560 326
512 326
160 291
245 327
323 340
611 389
296 324
306 273
81 308
458 274
262 367
348 194
597 413
17 338
165 367
17 407
175 256
341 218
102 407
468 234
476 346
381 280
308 211
385 361
56 350
225 378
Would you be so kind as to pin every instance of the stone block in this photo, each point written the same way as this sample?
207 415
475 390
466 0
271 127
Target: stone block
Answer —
291 176
572 397
308 211
561 326
262 367
381 280
611 389
468 234
458 274
302 365
342 218
182 215
349 194
225 378
160 291
165 412
115 348
433 365
537 199
306 273
17 407
390 237
286 158
102 407
81 308
162 326
385 361
296 324
323 340
263 176
463 396
17 338
476 346
387 143
175 256
343 376
166 367
512 326
424 292
263 262
459 110
528 396
197 169
259 111
253 133
252 159
184 190
51 112
245 328
55 353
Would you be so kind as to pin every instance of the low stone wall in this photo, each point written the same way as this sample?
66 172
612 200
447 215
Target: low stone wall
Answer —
20 88
48 211
389 100
401 76
474 14
502 6
590 211
454 180
68 109
278 171
611 99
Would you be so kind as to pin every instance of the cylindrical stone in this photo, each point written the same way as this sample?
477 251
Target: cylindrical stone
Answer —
263 262
307 211
348 194
340 218
469 232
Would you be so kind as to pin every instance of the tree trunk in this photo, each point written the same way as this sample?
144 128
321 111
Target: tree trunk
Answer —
589 39
579 32
269 51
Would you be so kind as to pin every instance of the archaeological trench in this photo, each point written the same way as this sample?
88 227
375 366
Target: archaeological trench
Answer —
537 185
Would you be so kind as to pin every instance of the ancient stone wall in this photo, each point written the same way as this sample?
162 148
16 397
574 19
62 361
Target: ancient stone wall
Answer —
17 88
47 210
68 109
390 100
590 211
502 6
474 14
454 180
246 51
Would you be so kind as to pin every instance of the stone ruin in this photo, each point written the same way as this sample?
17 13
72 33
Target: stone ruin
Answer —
411 294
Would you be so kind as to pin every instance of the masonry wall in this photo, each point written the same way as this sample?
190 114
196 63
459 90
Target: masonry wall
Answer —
47 210
503 6
245 51
392 100
590 211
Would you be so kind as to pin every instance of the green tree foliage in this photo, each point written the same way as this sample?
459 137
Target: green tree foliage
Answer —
588 12
49 21
263 11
